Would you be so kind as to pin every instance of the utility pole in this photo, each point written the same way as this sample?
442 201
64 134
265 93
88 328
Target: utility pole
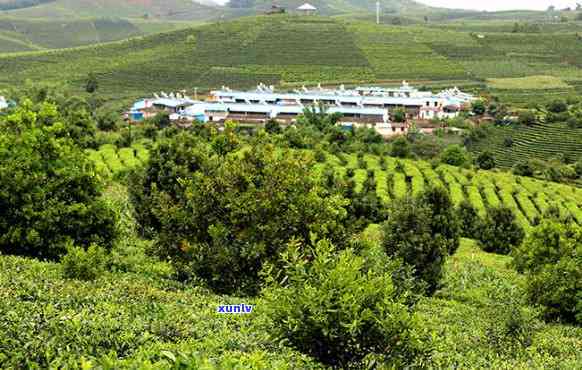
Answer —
377 12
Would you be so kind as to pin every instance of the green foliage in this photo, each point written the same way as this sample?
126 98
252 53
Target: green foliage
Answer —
83 264
526 117
485 160
500 232
400 148
92 84
557 106
339 308
49 192
551 257
478 107
418 232
399 115
220 219
454 155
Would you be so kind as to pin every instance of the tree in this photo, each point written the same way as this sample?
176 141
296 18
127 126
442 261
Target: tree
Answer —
454 155
92 84
273 127
524 168
338 307
526 117
399 115
317 116
558 106
106 121
500 232
551 257
418 232
219 219
469 220
400 148
49 190
478 107
485 160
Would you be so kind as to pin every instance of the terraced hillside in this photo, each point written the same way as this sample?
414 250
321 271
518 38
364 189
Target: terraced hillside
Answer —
396 178
541 141
291 50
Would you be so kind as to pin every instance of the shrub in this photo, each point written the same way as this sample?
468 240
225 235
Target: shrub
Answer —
500 231
454 155
485 160
524 168
478 107
418 232
558 106
49 190
229 215
400 148
319 156
551 257
331 305
469 221
83 264
526 117
399 115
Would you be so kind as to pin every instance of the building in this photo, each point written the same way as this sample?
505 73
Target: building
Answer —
3 103
418 104
359 107
307 9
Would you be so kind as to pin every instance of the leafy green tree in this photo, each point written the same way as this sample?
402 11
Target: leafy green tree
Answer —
221 218
49 190
454 155
469 220
500 232
551 257
526 117
478 107
318 117
524 168
92 84
399 115
107 121
418 233
400 148
485 160
273 127
558 106
337 307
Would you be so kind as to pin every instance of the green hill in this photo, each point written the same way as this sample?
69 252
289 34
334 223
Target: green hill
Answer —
291 50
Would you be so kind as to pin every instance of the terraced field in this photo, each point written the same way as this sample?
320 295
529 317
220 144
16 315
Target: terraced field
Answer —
290 50
111 162
528 198
540 141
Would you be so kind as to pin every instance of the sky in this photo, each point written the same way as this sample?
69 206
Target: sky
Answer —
501 4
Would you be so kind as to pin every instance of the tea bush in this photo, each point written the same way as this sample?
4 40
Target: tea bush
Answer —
83 264
331 305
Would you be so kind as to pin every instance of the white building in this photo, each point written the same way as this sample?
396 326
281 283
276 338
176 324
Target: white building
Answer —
3 103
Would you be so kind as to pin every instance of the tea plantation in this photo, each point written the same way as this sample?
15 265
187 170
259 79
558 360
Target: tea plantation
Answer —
291 51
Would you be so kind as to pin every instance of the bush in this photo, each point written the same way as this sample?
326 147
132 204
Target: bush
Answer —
478 107
558 106
400 148
526 117
485 160
422 232
454 155
551 257
469 221
331 305
49 190
500 232
83 264
524 168
224 217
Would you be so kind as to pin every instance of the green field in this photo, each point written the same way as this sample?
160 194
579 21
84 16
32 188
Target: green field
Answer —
542 141
291 50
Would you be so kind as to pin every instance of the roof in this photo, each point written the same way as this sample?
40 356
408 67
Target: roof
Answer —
172 102
307 6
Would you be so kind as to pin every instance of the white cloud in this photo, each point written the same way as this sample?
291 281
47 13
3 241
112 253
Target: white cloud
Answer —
501 4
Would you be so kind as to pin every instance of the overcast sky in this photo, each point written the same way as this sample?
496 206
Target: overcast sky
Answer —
501 4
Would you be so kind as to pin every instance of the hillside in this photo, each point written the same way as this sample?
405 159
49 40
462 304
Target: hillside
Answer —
290 50
25 34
